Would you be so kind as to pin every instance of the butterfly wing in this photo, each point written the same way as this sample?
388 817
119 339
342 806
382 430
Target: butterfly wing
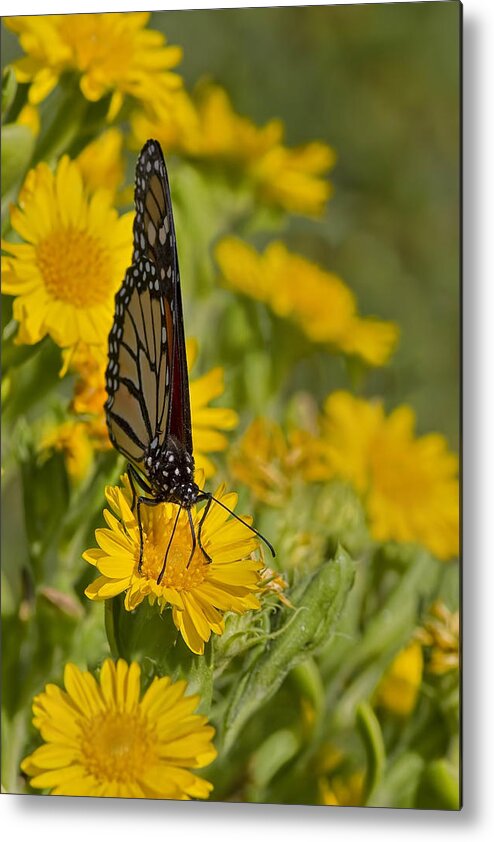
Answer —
147 380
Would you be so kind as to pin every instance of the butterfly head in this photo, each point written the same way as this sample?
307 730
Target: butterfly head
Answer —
170 469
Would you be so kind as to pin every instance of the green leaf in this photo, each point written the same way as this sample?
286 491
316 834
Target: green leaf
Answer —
385 633
277 750
69 111
307 678
439 787
17 148
35 372
14 735
370 731
316 613
9 88
46 492
399 785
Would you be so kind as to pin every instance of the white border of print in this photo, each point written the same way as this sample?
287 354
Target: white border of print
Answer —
54 819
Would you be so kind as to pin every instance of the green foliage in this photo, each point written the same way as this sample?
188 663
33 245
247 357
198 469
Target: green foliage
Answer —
318 600
17 149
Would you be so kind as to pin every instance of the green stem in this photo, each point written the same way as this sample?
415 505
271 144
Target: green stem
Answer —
65 126
111 623
372 737
14 733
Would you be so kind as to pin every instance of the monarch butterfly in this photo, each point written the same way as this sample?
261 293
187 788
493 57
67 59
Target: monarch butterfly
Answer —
148 403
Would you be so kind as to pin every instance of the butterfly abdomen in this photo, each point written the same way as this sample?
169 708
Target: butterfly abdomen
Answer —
170 470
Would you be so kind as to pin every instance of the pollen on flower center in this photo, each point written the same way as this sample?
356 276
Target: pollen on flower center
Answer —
75 267
117 746
179 573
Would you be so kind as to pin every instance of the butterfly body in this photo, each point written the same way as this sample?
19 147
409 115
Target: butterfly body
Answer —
170 471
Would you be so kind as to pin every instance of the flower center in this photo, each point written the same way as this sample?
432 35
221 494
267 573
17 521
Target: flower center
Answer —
181 571
75 267
118 746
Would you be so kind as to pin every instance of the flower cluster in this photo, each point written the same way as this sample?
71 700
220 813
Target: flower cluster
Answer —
269 462
321 304
206 128
112 54
409 483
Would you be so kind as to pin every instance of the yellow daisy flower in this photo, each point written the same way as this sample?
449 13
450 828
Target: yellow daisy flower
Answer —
293 178
398 689
208 422
101 162
105 738
370 339
89 363
172 126
70 438
274 583
112 53
440 635
207 128
222 133
268 461
73 258
317 301
29 116
409 483
342 790
198 592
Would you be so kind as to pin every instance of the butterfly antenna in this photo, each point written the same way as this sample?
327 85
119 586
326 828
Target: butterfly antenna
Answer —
207 495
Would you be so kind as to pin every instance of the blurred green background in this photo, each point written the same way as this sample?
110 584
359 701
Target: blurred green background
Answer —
380 83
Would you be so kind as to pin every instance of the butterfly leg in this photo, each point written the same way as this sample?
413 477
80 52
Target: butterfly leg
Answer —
141 539
133 479
162 573
207 507
193 533
146 501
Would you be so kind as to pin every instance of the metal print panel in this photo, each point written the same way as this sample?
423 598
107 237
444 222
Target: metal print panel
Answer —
230 312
